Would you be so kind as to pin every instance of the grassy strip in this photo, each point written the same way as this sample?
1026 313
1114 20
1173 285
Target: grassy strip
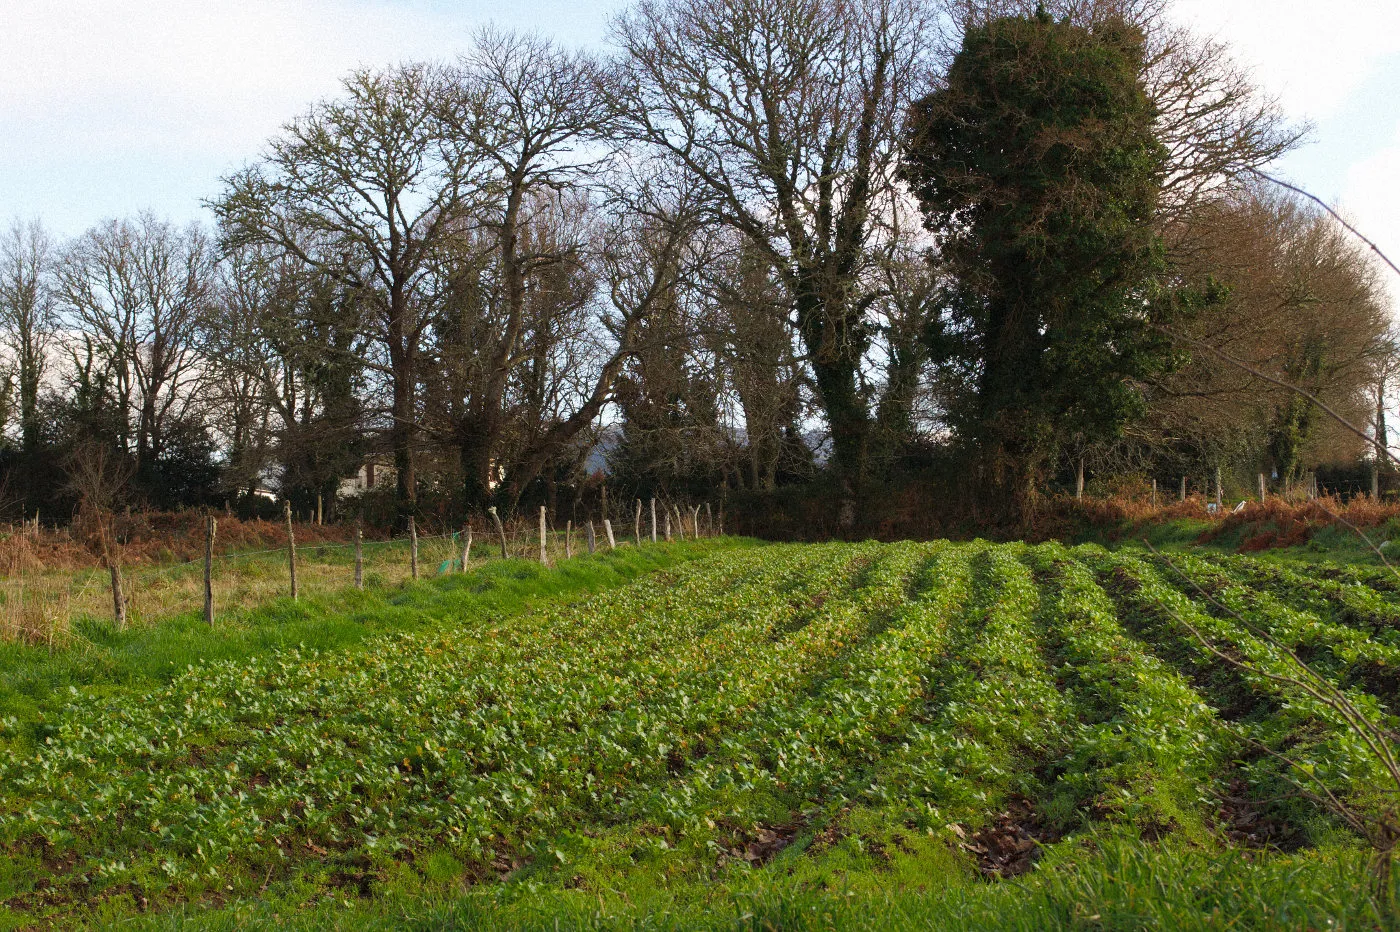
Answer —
1107 883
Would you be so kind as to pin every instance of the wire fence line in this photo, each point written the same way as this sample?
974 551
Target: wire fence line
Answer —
56 607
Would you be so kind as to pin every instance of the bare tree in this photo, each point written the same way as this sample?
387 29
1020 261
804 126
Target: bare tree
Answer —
789 114
1294 299
529 110
365 188
745 328
28 320
642 258
285 344
98 475
139 290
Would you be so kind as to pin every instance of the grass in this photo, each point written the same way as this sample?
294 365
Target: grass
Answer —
1107 883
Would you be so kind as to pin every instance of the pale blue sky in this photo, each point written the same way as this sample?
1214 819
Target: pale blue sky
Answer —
112 106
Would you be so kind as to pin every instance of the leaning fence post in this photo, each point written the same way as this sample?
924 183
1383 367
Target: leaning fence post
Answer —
210 526
544 539
637 522
500 529
653 520
359 553
466 547
592 539
412 547
607 528
291 548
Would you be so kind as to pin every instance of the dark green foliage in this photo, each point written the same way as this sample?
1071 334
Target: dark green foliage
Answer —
1038 169
183 471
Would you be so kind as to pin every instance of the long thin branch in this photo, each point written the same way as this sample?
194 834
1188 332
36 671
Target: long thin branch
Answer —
1335 216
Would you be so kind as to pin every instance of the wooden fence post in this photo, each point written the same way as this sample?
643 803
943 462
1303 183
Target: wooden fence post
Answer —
637 523
695 523
607 528
500 529
544 538
1219 490
318 509
1261 488
569 539
291 548
118 597
1079 480
1154 494
653 519
412 547
709 521
466 547
1183 489
360 553
210 527
668 525
592 539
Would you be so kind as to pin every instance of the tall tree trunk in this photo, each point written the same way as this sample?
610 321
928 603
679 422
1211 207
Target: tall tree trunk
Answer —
1381 440
403 358
29 376
474 445
827 335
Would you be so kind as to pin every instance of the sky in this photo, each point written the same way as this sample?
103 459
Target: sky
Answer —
109 107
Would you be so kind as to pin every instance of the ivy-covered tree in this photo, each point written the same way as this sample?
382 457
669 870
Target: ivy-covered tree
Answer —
1039 172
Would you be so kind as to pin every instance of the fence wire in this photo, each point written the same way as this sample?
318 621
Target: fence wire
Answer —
54 607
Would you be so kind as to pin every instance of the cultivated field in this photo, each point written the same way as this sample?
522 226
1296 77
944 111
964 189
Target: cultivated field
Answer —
866 735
